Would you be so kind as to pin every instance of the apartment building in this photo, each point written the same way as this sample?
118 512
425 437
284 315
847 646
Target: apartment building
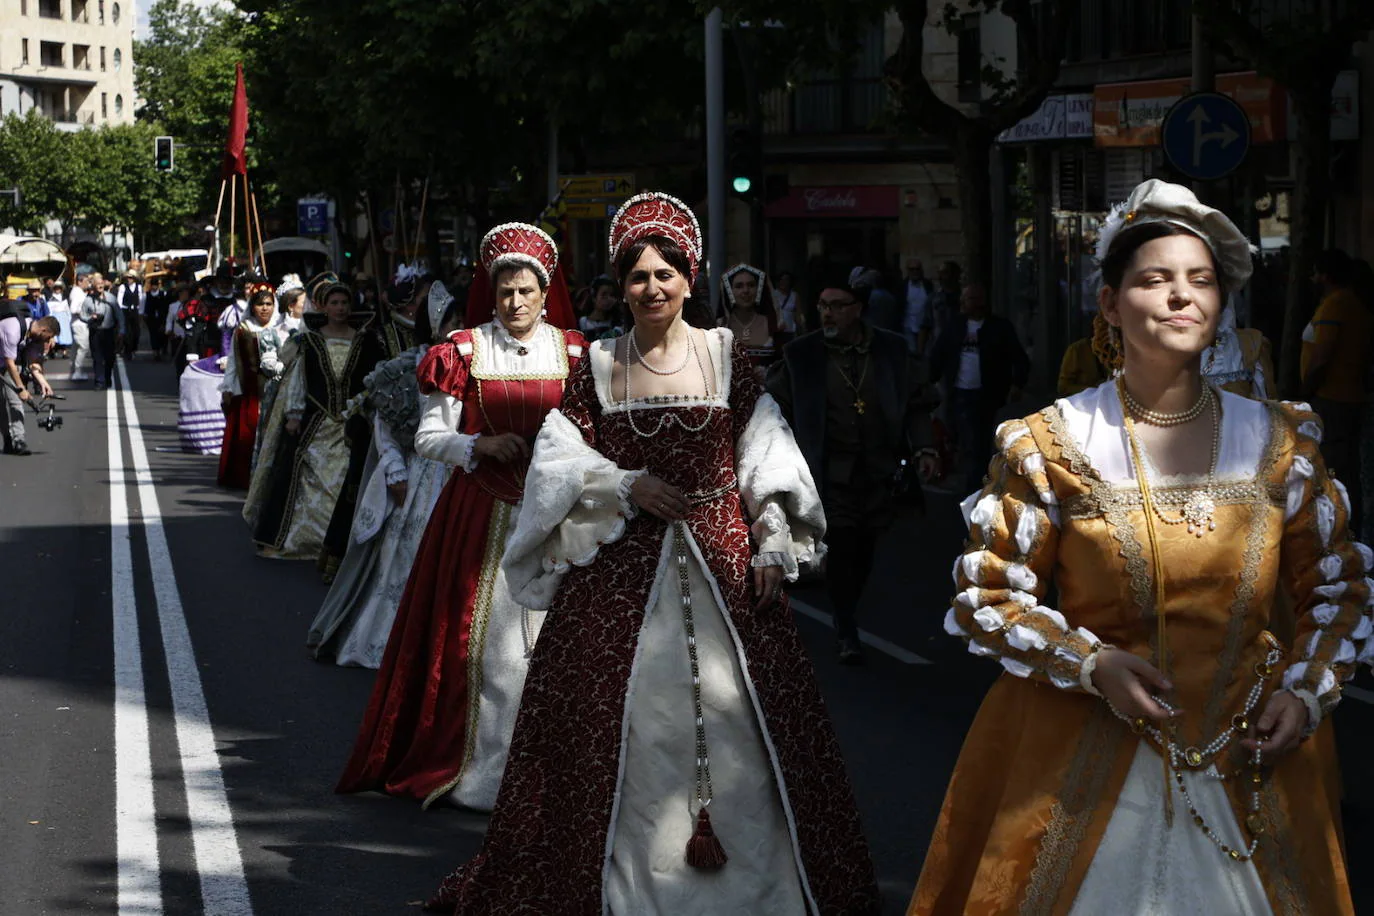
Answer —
72 60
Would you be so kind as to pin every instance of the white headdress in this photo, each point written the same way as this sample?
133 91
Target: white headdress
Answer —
439 299
1156 201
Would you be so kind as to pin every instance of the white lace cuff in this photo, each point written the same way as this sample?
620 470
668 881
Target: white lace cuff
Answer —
467 461
772 558
1085 674
397 475
622 493
1314 709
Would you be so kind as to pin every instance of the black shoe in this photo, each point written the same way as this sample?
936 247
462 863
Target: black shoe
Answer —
851 653
99 386
22 451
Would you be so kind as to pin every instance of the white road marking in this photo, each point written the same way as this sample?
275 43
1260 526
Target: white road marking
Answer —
905 656
139 888
223 886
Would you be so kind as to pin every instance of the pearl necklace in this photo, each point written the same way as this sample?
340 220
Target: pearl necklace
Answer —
639 357
668 414
1159 418
1199 512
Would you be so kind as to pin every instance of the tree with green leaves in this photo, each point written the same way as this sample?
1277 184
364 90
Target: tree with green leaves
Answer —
1304 47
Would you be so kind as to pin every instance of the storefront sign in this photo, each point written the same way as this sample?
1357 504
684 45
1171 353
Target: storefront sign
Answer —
1130 114
1059 117
838 202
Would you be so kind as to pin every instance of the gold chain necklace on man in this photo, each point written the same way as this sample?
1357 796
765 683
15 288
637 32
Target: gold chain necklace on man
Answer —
859 404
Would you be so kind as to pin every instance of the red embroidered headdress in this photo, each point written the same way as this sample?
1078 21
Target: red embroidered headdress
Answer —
656 213
511 244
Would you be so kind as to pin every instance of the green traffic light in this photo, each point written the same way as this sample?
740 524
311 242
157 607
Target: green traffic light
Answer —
742 184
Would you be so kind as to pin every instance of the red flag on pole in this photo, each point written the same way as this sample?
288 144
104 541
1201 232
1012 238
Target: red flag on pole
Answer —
236 146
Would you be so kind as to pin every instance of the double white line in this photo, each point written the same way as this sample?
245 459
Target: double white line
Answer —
223 887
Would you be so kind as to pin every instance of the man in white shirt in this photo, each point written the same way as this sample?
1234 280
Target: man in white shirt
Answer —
81 331
918 320
132 299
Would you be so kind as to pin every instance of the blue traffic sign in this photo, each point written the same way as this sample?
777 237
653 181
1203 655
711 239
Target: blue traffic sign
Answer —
312 217
1206 135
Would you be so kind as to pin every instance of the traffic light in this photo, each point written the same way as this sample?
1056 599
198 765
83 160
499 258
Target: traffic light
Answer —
745 155
163 154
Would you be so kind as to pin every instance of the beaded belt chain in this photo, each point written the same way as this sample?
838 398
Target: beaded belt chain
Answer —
1199 758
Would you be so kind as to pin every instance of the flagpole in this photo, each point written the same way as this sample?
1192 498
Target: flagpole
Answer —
257 221
233 212
219 210
247 222
420 224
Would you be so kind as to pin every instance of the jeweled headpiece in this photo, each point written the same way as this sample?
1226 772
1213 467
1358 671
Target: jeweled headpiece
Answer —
1156 201
656 213
257 286
729 279
519 244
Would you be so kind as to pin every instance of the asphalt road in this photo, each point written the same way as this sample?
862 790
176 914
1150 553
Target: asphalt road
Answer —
166 740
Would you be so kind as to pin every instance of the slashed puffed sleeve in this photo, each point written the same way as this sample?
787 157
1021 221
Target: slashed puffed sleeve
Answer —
443 378
576 499
774 479
1324 570
1004 572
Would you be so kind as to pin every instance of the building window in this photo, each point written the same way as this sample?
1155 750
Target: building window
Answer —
114 13
81 57
102 57
118 59
23 7
24 52
50 54
100 11
970 76
50 9
104 106
119 105
79 11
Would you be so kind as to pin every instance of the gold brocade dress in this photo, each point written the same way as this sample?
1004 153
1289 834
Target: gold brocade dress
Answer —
1048 775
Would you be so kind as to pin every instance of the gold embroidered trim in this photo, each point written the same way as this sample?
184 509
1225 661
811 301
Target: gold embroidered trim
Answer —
497 531
560 348
1084 782
1110 506
1082 506
1229 658
1281 866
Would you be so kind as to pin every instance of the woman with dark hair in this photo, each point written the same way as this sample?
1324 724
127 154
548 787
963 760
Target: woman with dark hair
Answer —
1144 750
398 490
602 318
253 361
748 312
444 702
667 504
304 456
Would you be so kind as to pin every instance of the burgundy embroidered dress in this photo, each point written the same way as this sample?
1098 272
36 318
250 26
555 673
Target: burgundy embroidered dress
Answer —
444 703
600 795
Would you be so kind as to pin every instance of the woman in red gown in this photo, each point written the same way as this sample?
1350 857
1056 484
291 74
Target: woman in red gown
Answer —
252 362
444 704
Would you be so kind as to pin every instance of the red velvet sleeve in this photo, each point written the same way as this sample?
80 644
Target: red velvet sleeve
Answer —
444 368
580 404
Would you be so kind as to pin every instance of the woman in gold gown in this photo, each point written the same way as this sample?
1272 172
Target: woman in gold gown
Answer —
1145 750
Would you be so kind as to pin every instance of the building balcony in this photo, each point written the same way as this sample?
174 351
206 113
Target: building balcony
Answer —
54 75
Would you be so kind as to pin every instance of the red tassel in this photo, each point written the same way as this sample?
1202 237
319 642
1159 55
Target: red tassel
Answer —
703 849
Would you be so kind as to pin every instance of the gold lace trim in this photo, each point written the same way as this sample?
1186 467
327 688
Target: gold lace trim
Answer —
1110 505
1084 782
477 638
560 341
1281 866
1229 658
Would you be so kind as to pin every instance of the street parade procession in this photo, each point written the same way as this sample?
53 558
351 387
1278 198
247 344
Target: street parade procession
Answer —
603 524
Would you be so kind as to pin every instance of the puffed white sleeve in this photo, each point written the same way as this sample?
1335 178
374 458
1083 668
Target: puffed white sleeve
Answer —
778 492
438 438
1004 573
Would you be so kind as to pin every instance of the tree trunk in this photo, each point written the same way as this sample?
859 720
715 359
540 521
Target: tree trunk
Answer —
1312 148
971 144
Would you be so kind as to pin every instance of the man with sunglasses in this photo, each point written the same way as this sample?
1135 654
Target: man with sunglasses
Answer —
862 419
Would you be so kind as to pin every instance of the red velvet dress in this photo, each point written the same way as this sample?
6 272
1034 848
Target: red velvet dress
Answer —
546 849
417 737
241 419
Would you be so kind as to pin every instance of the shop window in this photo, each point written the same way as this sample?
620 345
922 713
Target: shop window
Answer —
51 54
970 68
